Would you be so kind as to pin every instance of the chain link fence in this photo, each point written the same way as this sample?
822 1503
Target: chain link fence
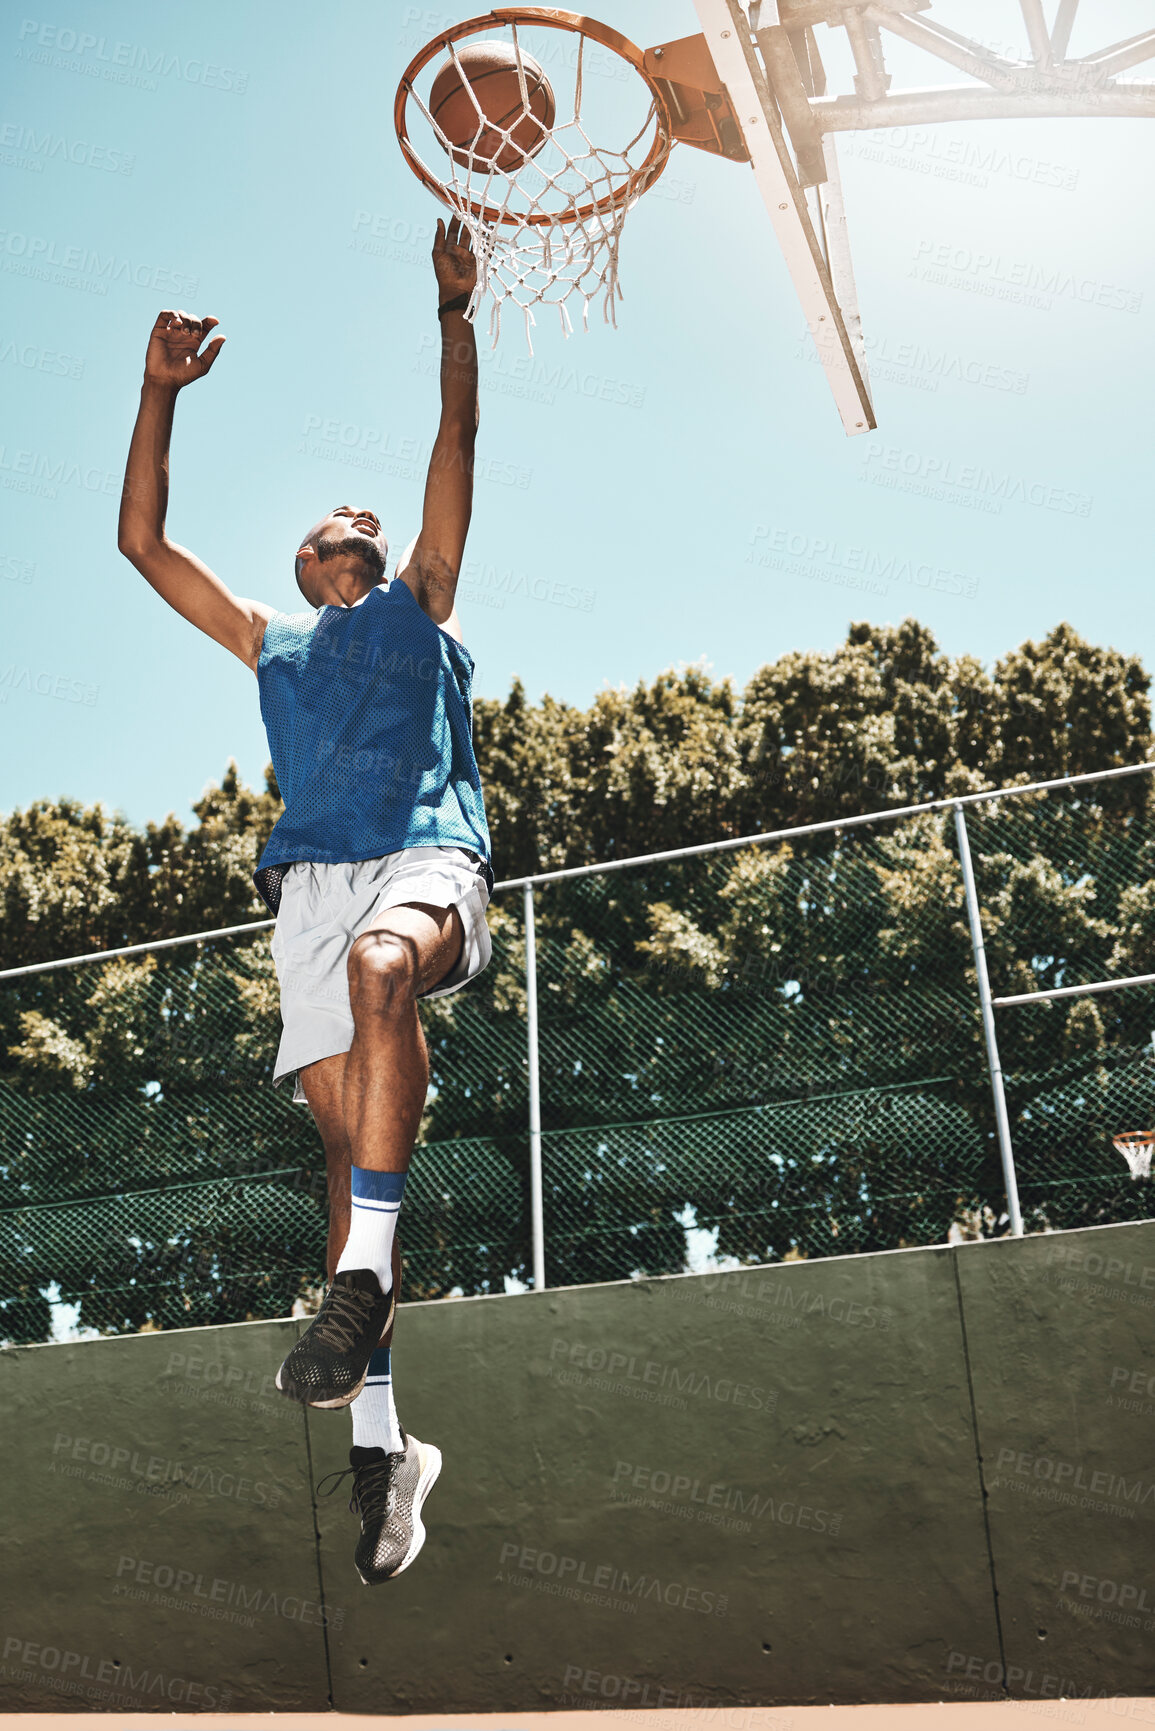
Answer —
1068 897
745 1055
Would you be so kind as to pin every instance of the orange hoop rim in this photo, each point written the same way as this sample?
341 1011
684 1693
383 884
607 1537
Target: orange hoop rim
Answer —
1134 1139
641 178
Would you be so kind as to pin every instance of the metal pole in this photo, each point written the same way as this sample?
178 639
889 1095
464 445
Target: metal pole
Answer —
137 949
536 1209
1004 1126
1075 991
1061 33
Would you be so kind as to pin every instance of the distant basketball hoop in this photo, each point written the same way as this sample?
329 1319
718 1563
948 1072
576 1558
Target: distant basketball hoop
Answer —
544 204
1136 1147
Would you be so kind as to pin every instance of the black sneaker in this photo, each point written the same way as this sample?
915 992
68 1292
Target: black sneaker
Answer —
388 1493
328 1364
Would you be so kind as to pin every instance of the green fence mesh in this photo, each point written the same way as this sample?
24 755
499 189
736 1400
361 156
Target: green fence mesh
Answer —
1068 895
747 1056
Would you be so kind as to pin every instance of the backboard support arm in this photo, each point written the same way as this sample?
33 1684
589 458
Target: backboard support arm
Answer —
733 48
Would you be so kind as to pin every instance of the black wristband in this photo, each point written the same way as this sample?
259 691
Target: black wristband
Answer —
457 305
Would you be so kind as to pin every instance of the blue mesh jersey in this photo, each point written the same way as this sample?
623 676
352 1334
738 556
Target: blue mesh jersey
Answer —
369 713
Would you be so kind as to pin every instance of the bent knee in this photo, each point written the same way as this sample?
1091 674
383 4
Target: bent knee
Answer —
382 969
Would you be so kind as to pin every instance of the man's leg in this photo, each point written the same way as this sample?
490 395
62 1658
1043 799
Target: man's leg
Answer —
324 1088
377 1102
401 954
390 963
374 1411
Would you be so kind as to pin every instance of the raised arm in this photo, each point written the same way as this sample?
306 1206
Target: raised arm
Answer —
173 361
431 564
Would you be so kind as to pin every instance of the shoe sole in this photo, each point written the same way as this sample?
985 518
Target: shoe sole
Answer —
430 1468
291 1392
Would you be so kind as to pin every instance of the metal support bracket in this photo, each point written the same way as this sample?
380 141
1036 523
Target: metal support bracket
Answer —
696 97
788 80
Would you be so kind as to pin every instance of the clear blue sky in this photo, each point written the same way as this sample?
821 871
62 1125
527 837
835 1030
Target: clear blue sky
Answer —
250 199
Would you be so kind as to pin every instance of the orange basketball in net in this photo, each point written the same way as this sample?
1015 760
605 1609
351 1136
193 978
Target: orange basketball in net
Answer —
485 76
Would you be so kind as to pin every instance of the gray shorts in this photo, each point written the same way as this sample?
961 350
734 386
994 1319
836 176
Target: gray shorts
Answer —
324 907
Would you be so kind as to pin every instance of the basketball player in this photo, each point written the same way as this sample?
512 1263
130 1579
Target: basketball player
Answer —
378 870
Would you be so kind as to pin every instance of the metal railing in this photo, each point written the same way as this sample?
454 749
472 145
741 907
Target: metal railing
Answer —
790 837
987 1004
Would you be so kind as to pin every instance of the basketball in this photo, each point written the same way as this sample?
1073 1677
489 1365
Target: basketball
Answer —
486 74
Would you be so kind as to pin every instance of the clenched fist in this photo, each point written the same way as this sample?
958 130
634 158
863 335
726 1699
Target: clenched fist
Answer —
173 357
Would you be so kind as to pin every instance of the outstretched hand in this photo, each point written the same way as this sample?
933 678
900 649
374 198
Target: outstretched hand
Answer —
453 259
172 357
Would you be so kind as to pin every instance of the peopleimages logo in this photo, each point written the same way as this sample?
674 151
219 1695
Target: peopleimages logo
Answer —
986 489
1015 1680
912 363
37 360
579 1683
213 1595
14 570
1011 279
1113 1269
1059 1480
34 149
82 267
45 684
489 583
1106 1592
36 472
153 1474
726 1499
864 561
68 49
958 158
551 377
105 1679
625 1368
526 1560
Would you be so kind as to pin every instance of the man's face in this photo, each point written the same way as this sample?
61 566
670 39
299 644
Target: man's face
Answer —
350 533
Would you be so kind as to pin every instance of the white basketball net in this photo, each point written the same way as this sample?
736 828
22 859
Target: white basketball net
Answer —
563 254
1136 1148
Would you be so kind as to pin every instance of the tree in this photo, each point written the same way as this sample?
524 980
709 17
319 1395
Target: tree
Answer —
1069 707
71 879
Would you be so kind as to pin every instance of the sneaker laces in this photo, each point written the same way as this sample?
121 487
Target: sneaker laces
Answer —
375 1495
341 1317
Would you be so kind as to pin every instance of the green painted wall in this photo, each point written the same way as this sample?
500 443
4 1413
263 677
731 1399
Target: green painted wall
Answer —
785 1485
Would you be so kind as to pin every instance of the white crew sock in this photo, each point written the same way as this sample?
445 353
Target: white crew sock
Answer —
376 1203
375 1421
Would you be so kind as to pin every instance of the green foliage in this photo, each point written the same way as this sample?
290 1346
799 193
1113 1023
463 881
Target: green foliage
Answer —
74 879
1069 706
778 1046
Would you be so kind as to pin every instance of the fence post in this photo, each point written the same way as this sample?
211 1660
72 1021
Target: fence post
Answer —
974 916
536 1210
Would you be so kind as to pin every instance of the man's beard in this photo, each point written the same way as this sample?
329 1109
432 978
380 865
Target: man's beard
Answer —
353 546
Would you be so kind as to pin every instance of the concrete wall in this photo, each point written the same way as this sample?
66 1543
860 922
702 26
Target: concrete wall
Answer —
920 1475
